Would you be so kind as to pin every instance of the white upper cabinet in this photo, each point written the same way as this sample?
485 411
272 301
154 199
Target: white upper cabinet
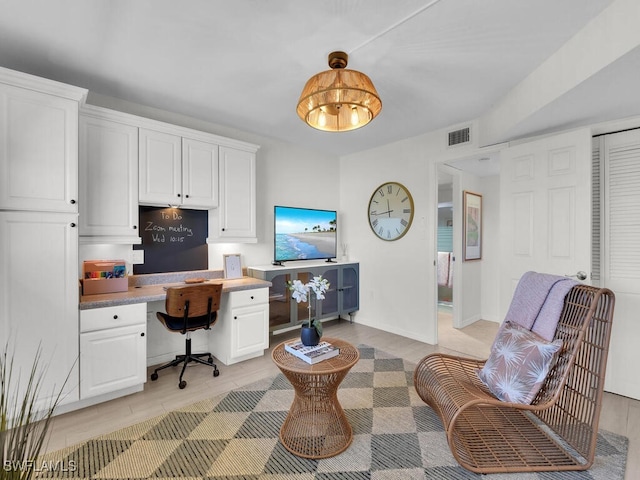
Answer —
38 144
108 179
199 173
160 168
237 211
177 171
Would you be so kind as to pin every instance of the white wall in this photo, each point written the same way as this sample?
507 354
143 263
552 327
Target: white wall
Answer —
397 279
489 275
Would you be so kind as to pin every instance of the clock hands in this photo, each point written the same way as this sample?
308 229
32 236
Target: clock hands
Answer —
389 210
382 213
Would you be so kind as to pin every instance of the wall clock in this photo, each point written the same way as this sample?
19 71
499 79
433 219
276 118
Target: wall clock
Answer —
390 211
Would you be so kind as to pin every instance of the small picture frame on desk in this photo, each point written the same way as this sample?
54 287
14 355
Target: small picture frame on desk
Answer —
232 265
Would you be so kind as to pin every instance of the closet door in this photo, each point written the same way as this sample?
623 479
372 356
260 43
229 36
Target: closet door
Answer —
545 209
620 255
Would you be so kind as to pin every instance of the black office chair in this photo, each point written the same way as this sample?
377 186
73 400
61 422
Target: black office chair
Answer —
189 308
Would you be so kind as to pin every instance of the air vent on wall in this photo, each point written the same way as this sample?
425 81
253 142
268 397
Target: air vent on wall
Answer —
458 137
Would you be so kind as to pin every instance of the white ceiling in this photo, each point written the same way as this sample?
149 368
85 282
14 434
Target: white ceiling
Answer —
243 63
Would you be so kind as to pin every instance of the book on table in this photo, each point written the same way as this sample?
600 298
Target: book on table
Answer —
312 354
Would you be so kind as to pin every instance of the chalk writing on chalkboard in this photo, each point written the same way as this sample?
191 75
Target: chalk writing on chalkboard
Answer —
173 240
168 233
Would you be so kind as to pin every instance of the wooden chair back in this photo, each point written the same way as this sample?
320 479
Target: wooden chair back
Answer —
196 297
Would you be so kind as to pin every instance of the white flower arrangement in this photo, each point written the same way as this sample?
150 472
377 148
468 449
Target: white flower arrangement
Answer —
302 292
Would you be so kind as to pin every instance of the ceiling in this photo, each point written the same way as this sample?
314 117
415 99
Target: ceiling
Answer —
243 63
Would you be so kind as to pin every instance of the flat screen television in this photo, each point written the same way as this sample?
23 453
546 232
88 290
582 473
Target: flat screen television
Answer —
304 234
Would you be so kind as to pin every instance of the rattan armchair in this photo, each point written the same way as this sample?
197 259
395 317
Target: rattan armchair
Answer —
558 430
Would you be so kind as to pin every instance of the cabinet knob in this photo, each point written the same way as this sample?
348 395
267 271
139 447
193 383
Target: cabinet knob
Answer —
251 297
186 196
135 227
235 318
72 202
115 317
178 194
142 334
223 229
72 225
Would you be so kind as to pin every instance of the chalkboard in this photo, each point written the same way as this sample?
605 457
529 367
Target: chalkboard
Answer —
173 240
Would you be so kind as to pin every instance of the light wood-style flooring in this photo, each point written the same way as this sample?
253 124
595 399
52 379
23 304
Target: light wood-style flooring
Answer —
619 414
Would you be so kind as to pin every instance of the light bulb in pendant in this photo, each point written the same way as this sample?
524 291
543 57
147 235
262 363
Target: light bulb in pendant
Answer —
354 116
322 119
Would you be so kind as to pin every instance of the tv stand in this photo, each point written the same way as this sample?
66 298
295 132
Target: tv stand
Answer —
340 300
277 264
331 261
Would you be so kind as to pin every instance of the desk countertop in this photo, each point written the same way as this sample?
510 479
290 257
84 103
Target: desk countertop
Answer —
140 293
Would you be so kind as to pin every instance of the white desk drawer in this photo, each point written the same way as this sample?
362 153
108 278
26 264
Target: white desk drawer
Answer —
112 317
245 298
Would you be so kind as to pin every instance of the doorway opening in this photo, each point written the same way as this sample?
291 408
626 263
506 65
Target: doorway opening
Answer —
445 252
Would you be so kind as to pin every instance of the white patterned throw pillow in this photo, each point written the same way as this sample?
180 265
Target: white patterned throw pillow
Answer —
518 365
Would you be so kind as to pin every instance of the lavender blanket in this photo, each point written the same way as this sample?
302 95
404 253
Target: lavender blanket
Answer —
537 302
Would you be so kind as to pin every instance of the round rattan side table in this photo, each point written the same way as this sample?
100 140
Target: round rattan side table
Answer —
316 426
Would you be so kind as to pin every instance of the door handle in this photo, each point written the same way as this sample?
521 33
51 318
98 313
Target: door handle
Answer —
580 275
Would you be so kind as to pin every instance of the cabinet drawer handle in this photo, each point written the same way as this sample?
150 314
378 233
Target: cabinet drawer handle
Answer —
115 317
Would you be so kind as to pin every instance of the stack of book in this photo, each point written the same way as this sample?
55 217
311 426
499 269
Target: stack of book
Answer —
312 354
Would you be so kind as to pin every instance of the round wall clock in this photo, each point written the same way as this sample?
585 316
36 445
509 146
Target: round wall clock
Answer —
390 211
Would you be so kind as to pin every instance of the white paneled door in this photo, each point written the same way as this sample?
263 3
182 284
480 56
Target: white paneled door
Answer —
620 255
545 209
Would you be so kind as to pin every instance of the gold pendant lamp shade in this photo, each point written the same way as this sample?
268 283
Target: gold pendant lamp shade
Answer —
339 100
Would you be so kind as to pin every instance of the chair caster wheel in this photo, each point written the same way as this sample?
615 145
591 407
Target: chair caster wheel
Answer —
210 359
154 377
182 384
216 373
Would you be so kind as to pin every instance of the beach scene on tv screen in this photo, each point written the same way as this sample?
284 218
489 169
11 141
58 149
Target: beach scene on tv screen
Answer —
302 234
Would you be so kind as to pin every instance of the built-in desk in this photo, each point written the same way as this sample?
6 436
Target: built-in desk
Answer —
141 292
120 336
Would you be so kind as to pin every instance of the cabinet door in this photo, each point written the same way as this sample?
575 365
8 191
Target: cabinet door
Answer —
39 296
348 289
160 168
38 151
279 300
199 174
112 359
250 331
329 307
108 179
284 311
237 210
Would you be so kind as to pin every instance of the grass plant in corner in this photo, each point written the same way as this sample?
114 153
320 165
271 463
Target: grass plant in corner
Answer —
302 292
24 421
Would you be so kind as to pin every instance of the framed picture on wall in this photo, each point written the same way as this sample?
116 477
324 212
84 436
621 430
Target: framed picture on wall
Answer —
232 265
472 225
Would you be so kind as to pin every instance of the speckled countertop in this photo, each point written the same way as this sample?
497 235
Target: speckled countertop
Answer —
151 287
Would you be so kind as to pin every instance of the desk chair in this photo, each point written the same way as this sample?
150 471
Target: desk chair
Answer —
189 308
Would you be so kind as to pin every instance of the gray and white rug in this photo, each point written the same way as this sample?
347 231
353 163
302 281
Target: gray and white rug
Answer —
235 436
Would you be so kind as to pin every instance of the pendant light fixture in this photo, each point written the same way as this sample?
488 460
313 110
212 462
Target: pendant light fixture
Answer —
339 99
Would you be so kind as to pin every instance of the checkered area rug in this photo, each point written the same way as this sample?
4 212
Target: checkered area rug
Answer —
235 436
